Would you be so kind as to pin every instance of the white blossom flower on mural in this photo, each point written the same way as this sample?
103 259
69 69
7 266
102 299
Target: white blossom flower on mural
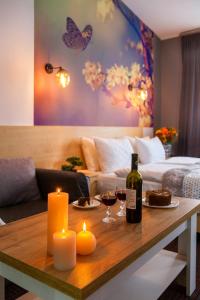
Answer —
93 74
105 9
132 45
139 47
145 120
117 75
135 70
135 87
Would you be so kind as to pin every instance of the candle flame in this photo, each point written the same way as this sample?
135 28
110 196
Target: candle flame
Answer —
58 190
63 231
84 227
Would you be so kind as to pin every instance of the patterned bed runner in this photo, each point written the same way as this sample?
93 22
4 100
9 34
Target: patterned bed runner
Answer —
183 182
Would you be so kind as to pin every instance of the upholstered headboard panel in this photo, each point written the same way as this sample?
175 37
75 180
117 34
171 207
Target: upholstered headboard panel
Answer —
50 145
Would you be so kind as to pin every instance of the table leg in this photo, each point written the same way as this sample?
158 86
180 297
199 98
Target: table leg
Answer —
187 246
2 288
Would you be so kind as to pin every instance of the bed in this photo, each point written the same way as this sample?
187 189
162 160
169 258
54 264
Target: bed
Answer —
152 173
107 182
109 161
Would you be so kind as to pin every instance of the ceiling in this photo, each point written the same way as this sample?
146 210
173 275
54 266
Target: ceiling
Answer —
167 18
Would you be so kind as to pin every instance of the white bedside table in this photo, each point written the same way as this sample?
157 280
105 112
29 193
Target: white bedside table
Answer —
92 180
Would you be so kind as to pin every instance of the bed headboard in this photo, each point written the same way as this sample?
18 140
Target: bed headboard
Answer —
50 145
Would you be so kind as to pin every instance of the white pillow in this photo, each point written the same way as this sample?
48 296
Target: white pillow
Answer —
150 150
113 154
123 172
90 154
133 141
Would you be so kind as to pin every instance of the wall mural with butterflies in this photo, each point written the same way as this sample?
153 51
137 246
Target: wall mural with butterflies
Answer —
108 52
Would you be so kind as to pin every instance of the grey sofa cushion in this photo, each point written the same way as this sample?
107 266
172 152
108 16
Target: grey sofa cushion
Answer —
22 210
17 181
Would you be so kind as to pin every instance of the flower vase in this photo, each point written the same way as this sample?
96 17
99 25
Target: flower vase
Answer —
168 150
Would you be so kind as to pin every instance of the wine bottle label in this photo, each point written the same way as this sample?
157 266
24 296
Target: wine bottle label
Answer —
131 199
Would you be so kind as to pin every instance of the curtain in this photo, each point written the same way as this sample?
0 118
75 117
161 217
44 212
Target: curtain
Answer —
189 120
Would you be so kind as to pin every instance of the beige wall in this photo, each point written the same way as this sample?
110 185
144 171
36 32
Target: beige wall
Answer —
50 145
171 69
16 62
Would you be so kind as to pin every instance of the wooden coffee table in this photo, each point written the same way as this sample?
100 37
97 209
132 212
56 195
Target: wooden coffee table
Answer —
129 262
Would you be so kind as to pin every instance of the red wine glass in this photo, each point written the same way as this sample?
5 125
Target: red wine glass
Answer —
121 196
109 199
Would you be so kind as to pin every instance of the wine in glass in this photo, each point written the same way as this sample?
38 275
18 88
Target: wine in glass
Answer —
109 199
121 196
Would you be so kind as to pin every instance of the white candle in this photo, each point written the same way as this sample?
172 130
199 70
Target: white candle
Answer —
57 216
64 250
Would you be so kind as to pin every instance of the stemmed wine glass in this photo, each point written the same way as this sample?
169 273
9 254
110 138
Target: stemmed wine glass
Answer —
109 199
121 196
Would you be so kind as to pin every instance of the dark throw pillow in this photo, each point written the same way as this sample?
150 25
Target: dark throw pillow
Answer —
17 181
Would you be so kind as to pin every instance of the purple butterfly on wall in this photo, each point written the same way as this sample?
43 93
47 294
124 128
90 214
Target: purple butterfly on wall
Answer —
74 38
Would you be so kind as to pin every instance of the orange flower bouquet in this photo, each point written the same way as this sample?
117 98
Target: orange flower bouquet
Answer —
166 134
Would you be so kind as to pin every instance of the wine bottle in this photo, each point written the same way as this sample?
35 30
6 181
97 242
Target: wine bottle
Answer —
134 193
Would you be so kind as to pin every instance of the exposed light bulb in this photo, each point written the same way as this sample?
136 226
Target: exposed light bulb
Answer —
63 77
143 95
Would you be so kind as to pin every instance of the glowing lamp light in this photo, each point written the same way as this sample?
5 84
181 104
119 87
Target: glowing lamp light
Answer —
62 75
143 95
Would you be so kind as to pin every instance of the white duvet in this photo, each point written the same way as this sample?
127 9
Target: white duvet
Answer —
155 171
182 160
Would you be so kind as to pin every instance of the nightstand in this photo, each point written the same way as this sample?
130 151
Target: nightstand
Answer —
92 180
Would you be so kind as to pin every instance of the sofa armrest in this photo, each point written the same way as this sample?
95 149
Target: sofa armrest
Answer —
75 184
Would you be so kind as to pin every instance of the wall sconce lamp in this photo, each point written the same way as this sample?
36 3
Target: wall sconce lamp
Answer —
143 94
62 75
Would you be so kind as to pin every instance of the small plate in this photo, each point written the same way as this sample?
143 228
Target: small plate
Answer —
174 203
97 197
93 203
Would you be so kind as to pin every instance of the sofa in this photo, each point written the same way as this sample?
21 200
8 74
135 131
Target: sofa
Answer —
24 192
24 189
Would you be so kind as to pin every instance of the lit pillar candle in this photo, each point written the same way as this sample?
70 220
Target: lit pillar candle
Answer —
57 216
85 242
64 250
